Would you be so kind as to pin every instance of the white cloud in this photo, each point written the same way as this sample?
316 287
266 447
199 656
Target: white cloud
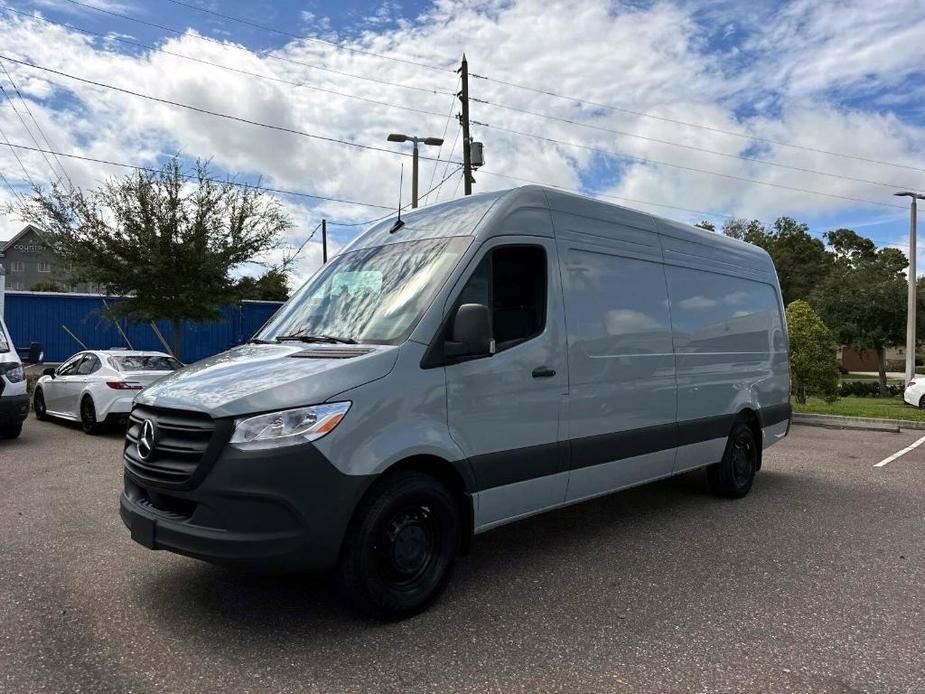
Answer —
800 75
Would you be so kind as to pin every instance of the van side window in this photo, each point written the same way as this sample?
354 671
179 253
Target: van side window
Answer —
718 313
511 281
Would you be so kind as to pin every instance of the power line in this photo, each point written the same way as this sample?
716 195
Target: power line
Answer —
311 39
446 127
403 208
723 131
208 112
271 78
734 177
743 157
7 142
447 166
208 39
37 126
25 126
136 167
16 193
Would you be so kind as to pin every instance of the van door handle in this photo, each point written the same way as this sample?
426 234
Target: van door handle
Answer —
543 372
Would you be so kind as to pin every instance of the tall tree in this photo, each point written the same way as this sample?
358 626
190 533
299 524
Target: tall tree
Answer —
167 241
863 299
271 286
801 260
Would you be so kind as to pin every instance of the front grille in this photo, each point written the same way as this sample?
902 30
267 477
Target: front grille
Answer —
182 442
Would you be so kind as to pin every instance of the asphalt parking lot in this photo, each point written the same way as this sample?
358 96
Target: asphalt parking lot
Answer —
813 583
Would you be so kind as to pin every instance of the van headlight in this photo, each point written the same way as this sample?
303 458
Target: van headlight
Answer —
287 427
13 372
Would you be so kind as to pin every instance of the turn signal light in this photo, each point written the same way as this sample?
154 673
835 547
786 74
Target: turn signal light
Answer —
123 385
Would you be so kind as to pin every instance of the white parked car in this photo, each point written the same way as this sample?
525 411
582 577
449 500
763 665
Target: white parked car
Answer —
915 392
97 386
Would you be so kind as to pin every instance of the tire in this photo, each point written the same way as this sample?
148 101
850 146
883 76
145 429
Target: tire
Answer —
922 403
38 405
88 417
11 431
734 475
400 547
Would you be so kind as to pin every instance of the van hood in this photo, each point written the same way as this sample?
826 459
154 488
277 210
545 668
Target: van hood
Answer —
256 378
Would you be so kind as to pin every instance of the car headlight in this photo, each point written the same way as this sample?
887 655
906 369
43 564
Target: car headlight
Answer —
14 372
287 427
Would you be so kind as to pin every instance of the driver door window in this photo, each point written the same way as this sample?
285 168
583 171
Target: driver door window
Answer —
69 368
511 281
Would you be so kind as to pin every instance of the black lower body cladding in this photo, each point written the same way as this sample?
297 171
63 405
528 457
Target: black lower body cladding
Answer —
277 509
13 409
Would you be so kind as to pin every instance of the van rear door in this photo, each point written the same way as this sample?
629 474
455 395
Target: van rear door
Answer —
504 410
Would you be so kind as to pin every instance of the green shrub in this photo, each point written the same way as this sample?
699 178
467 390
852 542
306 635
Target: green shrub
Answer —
813 367
868 389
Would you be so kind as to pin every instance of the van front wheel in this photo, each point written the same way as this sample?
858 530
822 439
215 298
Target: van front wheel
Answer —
733 476
400 548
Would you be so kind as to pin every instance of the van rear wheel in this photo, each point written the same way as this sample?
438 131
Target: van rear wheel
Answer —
400 547
733 476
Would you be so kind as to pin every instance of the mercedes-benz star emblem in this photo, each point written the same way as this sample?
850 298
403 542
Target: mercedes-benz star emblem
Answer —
146 440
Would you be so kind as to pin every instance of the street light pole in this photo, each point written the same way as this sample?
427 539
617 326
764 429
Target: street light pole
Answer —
434 141
414 176
913 299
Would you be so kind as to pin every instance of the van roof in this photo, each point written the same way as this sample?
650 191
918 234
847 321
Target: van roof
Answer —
537 208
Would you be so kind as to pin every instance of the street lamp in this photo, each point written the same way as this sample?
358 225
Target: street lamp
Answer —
912 303
434 141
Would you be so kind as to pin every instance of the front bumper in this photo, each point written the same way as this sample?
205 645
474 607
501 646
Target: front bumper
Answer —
13 409
285 509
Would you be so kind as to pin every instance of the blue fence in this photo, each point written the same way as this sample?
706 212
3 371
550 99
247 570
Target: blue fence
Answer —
41 317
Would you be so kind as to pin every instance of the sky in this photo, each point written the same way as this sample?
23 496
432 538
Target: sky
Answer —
699 109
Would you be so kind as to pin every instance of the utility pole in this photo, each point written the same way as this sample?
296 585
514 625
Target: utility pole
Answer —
464 122
435 141
324 241
913 299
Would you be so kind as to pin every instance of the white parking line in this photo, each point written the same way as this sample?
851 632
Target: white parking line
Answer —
898 454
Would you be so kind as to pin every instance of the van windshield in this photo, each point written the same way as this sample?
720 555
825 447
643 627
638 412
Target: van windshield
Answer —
369 295
4 340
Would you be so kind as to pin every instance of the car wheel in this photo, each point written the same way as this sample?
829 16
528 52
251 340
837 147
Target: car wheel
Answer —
38 404
11 431
733 476
400 546
922 403
88 416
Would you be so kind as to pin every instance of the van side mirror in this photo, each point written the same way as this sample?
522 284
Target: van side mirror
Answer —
48 372
36 355
471 336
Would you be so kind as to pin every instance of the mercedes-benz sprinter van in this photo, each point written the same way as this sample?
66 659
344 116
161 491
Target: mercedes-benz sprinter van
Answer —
472 364
14 402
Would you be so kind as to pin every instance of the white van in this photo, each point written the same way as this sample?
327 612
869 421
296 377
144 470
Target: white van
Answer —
475 363
14 402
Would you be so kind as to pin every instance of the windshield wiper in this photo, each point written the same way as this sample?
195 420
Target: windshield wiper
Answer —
330 339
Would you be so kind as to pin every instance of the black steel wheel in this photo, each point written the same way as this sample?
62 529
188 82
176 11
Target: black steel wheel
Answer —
88 416
734 475
400 547
38 404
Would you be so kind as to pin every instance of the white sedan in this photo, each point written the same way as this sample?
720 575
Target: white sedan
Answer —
98 386
914 394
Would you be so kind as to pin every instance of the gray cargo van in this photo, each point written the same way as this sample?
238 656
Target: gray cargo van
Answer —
14 402
475 363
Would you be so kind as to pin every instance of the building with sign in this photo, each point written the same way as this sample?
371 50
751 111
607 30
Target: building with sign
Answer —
30 264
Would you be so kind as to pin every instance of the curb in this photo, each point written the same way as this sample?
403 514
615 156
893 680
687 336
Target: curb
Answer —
857 423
